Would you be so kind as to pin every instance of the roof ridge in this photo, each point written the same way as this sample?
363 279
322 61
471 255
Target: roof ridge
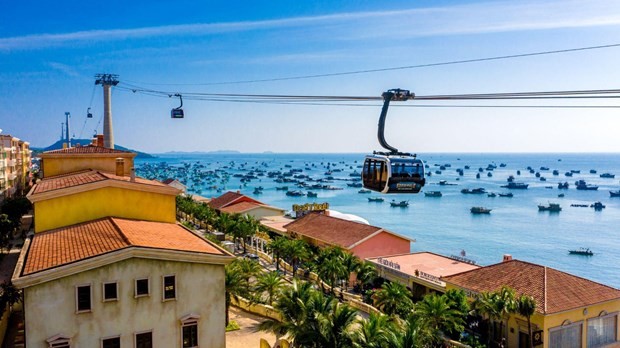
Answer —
120 230
545 289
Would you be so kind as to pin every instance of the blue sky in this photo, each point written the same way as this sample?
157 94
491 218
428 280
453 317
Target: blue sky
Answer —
49 52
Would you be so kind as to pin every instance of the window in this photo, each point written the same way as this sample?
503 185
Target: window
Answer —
82 295
189 326
602 330
113 342
567 336
144 340
142 287
110 291
169 287
59 341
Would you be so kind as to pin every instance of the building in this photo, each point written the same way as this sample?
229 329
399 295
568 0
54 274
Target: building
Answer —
421 272
364 241
86 195
176 184
15 164
73 159
115 282
570 311
236 203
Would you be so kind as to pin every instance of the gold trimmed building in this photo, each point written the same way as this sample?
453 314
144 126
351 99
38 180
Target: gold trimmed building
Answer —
73 159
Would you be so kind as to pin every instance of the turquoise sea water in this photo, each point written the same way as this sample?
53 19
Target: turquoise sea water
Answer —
445 225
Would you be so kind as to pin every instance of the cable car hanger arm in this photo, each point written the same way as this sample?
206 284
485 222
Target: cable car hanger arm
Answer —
397 95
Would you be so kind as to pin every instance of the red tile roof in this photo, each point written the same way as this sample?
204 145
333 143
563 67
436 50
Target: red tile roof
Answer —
86 149
240 207
331 230
228 198
64 181
98 237
554 291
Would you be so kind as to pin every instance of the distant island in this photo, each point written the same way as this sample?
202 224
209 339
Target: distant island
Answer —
58 145
224 152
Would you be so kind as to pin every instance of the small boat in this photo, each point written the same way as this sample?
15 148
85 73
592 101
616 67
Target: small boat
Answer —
363 191
375 199
355 184
509 194
608 175
592 171
402 204
257 191
614 193
561 195
581 251
311 194
432 194
563 186
552 207
477 175
282 188
476 191
516 186
480 210
568 174
492 194
577 205
294 193
597 206
555 172
581 185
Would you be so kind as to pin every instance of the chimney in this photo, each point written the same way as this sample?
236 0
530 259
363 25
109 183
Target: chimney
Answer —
100 140
120 167
507 257
132 177
93 141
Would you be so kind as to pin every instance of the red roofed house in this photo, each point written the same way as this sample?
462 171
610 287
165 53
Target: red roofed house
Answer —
236 203
362 240
570 311
72 159
117 282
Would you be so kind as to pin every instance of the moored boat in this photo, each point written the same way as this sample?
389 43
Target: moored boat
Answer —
552 207
597 206
582 185
432 193
375 199
581 251
516 186
402 204
509 194
311 194
363 191
614 193
480 210
608 175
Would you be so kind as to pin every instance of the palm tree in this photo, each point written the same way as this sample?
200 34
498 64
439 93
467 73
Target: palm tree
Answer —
366 273
277 247
352 265
269 283
10 294
505 304
247 269
335 322
526 308
296 251
330 267
373 332
436 315
409 335
234 287
393 299
484 306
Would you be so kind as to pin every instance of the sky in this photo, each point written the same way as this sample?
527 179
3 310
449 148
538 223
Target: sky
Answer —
50 52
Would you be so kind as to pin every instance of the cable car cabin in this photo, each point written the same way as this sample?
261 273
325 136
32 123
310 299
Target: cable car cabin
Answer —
393 174
177 113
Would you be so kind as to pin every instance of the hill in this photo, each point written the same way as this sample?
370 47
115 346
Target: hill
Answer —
58 145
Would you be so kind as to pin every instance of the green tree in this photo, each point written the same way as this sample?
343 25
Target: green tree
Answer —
269 283
409 334
352 265
247 268
278 248
393 299
437 316
330 266
484 306
335 322
10 294
234 285
366 274
296 251
373 332
505 303
526 306
6 228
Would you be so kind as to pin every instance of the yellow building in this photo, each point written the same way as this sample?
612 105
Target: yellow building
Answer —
86 195
69 160
15 165
570 311
117 282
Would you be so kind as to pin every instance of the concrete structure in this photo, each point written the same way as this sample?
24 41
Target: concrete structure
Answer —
69 160
570 311
176 184
87 195
123 281
364 241
421 272
15 164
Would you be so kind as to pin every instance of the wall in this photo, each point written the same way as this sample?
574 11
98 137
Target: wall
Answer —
261 212
383 244
50 307
95 204
68 164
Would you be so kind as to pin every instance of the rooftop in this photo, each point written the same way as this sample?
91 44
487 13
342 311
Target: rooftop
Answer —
430 263
554 291
74 243
229 198
88 149
334 231
242 207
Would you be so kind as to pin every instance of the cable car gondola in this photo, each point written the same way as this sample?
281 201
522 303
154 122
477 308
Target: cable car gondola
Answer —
89 114
393 171
177 112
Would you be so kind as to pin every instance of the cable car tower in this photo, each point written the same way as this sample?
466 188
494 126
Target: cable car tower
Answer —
392 171
107 81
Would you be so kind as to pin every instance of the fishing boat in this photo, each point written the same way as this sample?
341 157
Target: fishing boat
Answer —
608 175
516 186
476 191
492 194
563 186
480 210
432 193
375 199
581 251
363 191
597 206
311 194
509 194
401 204
551 207
294 193
582 185
614 193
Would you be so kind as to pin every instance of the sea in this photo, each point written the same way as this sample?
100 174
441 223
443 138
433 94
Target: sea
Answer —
445 225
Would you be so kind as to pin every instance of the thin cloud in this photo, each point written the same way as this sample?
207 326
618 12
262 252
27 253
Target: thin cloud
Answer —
461 19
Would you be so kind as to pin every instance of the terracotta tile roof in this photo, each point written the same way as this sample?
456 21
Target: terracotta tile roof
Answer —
86 149
554 291
228 198
98 237
83 177
240 207
334 231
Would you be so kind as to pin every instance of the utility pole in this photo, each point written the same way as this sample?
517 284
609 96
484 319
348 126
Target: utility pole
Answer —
68 134
107 81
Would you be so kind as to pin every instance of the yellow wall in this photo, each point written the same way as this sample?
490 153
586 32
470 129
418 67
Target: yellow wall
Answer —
69 164
49 308
109 201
